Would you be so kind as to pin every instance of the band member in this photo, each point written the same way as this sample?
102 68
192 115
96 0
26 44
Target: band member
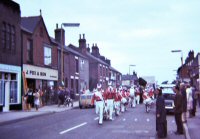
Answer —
132 96
109 96
99 102
123 100
137 96
117 100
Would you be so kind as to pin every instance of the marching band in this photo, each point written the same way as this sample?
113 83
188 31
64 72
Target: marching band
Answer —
115 100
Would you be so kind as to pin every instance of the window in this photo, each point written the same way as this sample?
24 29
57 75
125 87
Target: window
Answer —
77 70
72 83
8 36
29 51
13 91
13 38
3 35
47 55
77 85
2 90
66 82
100 71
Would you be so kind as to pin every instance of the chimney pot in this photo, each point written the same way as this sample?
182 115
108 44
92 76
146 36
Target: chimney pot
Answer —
56 25
83 36
80 36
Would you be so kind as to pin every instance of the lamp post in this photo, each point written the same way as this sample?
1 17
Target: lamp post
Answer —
62 47
131 66
180 51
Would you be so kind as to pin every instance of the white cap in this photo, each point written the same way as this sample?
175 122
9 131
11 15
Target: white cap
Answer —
98 86
110 83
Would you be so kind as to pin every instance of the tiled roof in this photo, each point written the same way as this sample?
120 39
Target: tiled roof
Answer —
30 23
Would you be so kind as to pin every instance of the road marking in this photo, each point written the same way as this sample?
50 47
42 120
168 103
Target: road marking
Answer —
148 120
135 119
124 119
96 118
65 131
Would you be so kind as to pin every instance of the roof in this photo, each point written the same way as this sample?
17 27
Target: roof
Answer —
114 69
96 59
129 77
30 23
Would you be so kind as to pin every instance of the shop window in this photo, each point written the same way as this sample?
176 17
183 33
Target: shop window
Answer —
6 76
13 92
13 77
2 90
47 55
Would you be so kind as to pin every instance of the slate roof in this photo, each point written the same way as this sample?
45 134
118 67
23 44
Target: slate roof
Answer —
30 23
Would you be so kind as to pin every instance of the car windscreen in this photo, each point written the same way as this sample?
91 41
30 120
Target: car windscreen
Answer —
168 93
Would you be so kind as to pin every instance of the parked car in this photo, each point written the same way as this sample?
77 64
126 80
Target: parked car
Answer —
169 96
85 100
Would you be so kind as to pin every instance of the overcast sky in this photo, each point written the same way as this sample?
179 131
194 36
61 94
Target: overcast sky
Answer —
129 32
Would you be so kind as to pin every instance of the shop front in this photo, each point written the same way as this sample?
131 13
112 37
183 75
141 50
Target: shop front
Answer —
44 79
10 87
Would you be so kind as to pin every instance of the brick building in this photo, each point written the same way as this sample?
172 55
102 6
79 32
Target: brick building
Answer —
75 65
10 56
39 57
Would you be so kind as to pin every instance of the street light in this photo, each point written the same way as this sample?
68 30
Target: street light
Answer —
179 51
62 45
131 66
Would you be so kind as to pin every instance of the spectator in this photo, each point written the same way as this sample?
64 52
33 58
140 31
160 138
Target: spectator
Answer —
184 95
61 96
194 96
189 100
178 109
37 99
161 121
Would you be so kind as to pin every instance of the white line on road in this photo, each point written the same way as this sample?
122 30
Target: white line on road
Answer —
124 119
65 131
96 118
135 119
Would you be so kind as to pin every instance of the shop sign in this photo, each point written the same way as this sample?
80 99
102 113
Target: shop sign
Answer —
35 72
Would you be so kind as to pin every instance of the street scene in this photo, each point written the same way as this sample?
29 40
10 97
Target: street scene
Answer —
99 70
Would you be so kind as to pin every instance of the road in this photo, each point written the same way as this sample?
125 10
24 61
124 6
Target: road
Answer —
83 124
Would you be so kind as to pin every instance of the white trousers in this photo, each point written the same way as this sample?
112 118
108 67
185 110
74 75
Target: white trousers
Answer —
133 101
110 105
117 107
99 107
137 99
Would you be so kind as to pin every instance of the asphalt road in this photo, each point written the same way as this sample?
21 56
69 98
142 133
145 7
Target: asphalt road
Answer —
83 124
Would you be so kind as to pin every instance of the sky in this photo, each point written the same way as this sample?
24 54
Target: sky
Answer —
129 32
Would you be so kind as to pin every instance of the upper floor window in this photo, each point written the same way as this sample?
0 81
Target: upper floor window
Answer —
3 35
8 36
47 55
77 65
29 51
13 43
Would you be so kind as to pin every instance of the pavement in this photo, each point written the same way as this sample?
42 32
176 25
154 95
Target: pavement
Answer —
15 116
191 127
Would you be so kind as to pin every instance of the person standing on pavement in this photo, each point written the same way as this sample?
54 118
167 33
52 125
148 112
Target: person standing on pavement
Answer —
189 100
178 109
161 121
37 99
29 99
195 97
184 95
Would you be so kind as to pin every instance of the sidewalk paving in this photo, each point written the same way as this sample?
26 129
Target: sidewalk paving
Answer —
14 116
193 125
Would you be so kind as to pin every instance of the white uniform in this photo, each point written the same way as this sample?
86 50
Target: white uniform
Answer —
110 101
132 96
99 105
